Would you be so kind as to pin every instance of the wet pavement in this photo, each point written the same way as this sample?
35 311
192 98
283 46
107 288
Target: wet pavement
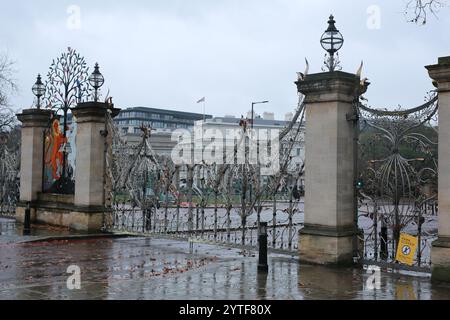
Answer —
12 232
143 268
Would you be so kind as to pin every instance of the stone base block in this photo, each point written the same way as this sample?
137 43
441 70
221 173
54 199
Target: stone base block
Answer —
20 214
440 260
78 221
59 210
326 246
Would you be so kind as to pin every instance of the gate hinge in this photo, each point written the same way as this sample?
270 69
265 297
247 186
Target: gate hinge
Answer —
352 117
104 133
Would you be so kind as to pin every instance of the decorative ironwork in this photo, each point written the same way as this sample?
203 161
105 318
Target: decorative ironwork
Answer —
400 189
66 86
9 175
217 203
67 82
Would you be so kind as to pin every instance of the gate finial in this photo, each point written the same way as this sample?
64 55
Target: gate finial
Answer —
359 72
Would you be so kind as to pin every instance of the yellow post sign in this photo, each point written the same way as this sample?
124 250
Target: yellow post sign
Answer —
407 247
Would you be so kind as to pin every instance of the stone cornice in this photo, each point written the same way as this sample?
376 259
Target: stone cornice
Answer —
442 242
327 231
94 111
329 87
441 73
35 118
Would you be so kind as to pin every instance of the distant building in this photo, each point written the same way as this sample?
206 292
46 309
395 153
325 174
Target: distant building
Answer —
222 124
207 132
163 123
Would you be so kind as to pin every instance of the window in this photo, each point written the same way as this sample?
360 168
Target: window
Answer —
159 125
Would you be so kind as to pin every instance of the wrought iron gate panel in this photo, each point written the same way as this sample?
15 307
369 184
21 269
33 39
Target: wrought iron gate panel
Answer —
145 195
399 184
9 178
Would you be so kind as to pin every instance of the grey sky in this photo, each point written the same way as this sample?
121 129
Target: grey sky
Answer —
170 53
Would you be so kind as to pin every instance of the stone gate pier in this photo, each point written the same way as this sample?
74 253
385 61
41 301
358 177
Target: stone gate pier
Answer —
34 123
440 253
330 224
82 211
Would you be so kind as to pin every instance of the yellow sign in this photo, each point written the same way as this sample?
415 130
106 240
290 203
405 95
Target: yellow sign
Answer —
407 247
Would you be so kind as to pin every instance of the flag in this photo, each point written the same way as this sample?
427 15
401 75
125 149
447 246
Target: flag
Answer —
202 100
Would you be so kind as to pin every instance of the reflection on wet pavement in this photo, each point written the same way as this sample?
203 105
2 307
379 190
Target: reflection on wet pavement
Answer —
138 268
11 232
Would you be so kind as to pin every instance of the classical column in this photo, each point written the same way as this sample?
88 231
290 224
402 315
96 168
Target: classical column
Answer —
330 224
90 164
34 122
440 253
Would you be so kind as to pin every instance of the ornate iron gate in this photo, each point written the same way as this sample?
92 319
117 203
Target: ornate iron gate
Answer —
147 194
398 182
67 85
9 177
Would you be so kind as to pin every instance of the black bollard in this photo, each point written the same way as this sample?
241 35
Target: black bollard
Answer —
384 242
147 220
262 240
27 221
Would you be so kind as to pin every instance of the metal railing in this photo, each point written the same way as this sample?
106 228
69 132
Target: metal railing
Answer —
210 224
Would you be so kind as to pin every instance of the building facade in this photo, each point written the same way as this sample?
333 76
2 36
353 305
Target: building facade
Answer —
213 141
221 127
162 122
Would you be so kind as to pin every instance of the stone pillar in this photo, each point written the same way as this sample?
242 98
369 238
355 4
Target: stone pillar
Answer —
34 122
440 253
330 226
90 165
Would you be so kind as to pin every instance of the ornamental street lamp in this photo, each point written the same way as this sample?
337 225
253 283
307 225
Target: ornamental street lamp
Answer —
332 41
38 90
96 80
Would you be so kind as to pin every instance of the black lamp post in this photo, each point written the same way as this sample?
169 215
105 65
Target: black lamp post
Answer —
253 120
96 80
38 90
253 109
332 41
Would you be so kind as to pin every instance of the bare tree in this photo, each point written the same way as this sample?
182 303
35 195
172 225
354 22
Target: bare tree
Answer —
417 11
7 87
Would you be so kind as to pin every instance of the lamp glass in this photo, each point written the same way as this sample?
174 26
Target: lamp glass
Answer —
38 88
96 79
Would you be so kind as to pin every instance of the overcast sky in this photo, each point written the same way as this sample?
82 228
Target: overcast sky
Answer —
170 53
